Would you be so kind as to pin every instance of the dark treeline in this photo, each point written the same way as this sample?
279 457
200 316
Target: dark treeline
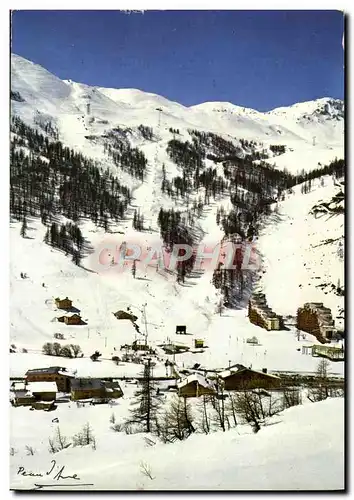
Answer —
146 132
174 231
66 237
49 179
131 160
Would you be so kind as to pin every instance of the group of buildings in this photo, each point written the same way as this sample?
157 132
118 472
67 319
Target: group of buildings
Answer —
67 305
41 386
313 318
237 378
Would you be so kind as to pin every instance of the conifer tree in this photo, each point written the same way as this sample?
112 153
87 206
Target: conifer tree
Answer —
24 228
146 402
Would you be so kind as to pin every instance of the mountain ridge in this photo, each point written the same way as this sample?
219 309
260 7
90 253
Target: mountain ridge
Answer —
208 104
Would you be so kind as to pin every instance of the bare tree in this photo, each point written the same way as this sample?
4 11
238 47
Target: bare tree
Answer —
24 228
291 397
231 407
145 469
218 405
202 405
254 406
61 440
29 450
176 423
320 388
84 437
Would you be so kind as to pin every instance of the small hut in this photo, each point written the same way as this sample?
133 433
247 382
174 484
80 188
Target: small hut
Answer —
195 385
63 303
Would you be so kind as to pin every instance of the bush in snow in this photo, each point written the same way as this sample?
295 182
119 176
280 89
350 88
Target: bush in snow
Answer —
56 349
84 437
76 349
66 352
29 450
48 348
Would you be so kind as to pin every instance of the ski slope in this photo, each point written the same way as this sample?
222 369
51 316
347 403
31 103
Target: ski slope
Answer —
33 313
65 103
303 251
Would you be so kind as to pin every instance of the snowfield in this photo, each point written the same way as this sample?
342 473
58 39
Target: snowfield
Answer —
301 449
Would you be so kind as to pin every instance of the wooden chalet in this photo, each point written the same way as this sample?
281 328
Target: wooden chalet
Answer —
39 395
245 378
95 388
181 330
74 319
63 303
21 396
195 385
56 374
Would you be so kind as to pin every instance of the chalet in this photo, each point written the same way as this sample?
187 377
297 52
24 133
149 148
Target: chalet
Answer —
195 385
245 378
74 319
95 388
63 303
260 313
43 391
21 396
198 343
181 330
316 319
125 315
56 374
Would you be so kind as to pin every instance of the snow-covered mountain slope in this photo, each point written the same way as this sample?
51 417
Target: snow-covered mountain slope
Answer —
302 449
303 249
83 115
33 313
217 184
66 103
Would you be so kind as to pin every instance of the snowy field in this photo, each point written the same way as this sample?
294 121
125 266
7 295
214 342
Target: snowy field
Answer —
301 449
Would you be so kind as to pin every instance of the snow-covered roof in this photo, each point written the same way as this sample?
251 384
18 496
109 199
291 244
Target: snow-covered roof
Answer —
52 370
227 373
42 387
18 386
196 377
